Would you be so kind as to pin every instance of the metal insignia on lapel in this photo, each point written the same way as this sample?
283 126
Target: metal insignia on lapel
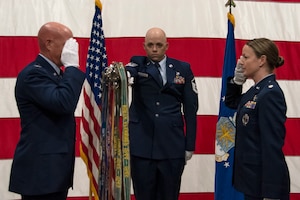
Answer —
255 98
245 119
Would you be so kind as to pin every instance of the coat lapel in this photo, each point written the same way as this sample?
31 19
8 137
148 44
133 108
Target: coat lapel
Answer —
44 64
153 71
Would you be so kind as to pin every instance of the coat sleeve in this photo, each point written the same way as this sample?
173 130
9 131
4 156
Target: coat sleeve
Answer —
190 107
233 94
57 97
134 64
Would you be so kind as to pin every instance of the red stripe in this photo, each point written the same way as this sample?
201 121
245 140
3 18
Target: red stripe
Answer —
205 144
204 54
190 196
291 146
85 148
9 134
15 53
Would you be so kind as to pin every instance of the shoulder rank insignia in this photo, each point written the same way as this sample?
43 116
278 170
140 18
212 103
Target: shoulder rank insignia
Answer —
131 64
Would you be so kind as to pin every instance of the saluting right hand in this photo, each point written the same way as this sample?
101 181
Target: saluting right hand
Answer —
239 77
69 54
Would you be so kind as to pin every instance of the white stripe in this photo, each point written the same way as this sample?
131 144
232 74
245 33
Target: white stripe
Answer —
25 18
198 176
208 95
8 106
129 18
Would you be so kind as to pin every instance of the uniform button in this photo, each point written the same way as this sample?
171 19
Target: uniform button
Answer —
156 115
157 103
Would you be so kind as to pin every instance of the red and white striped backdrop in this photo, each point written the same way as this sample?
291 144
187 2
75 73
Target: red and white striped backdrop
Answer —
196 29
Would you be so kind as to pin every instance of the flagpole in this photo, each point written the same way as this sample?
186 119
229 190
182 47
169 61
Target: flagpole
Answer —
225 131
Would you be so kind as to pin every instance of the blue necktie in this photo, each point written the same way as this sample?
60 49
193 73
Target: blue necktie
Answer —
60 73
159 74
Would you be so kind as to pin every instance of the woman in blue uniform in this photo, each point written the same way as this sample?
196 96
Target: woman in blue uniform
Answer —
260 169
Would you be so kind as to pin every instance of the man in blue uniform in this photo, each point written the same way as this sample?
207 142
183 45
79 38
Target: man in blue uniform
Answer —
43 164
162 119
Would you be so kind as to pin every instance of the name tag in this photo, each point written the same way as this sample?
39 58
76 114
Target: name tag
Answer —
143 74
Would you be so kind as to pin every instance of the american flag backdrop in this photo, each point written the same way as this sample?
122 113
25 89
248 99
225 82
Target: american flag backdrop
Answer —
197 31
91 119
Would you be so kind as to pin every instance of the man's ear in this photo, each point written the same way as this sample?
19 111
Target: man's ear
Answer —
48 44
167 45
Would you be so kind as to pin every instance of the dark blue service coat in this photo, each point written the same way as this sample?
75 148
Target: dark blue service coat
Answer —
162 117
260 169
44 157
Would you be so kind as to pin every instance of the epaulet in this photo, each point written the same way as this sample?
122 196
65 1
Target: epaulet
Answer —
131 64
139 59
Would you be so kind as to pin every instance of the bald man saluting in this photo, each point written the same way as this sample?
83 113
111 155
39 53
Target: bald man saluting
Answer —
43 163
162 137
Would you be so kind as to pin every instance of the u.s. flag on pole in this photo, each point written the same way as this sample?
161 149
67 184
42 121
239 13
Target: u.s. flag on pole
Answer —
91 109
225 133
196 33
